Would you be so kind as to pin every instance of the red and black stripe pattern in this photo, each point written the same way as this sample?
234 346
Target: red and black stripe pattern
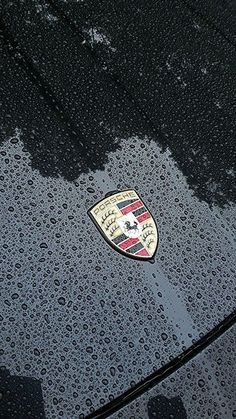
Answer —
136 207
132 245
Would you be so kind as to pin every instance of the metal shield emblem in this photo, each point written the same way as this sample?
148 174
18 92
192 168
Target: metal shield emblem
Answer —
126 224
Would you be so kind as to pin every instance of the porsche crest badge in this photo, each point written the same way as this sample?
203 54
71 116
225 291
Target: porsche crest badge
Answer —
127 225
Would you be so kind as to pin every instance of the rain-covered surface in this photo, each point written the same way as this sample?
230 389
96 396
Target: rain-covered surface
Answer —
203 388
180 74
220 15
21 397
83 319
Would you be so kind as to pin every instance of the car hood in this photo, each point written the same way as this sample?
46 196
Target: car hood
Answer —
86 321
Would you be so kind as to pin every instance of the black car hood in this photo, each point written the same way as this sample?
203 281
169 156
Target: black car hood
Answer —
85 320
201 388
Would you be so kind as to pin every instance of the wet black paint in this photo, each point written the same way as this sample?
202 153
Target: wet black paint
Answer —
202 388
162 407
147 103
20 397
180 73
180 84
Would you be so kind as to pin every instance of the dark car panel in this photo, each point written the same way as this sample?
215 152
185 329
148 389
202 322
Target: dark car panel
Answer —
180 73
219 14
86 321
20 397
203 388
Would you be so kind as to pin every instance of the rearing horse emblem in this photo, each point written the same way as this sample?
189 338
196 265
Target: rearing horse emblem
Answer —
127 225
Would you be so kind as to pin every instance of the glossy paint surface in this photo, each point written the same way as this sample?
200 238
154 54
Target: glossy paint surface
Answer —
204 387
85 320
